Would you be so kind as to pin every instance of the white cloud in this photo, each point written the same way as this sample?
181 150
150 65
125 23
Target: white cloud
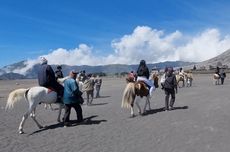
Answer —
204 46
28 65
144 43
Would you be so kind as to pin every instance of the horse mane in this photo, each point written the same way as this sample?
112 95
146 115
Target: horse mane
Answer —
128 96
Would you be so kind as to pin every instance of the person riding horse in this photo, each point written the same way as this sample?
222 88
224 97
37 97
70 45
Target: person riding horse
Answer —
46 78
143 75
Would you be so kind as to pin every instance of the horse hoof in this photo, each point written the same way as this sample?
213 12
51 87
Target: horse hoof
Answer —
132 116
41 127
21 132
144 113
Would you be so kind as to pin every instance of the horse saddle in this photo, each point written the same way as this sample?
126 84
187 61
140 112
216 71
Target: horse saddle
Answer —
50 90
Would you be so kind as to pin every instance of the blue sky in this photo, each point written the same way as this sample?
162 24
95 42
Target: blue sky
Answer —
33 28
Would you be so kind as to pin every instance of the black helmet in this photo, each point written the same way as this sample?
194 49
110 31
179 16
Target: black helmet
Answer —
59 67
142 62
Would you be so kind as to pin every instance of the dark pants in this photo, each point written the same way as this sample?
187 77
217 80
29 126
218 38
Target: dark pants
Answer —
58 88
98 87
222 80
78 110
169 92
89 97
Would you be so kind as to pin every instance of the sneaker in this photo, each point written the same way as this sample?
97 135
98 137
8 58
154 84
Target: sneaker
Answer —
165 109
66 124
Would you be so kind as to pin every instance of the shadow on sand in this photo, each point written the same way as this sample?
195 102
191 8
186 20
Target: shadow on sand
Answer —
99 104
86 121
154 111
102 97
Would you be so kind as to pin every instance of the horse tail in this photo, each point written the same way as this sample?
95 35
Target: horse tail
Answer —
128 96
15 96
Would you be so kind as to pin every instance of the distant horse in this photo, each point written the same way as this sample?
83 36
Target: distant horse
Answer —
180 77
188 79
34 96
216 78
136 90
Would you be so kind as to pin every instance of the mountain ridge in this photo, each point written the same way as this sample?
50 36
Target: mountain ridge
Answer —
111 69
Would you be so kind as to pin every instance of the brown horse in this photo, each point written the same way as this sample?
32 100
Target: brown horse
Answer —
137 90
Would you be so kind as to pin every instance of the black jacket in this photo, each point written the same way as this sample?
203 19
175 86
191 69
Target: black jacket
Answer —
170 82
58 74
143 71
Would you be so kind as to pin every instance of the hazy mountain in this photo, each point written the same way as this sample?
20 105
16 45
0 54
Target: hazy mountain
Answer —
220 60
11 76
8 72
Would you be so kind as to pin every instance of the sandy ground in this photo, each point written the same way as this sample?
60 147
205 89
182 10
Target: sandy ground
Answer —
201 122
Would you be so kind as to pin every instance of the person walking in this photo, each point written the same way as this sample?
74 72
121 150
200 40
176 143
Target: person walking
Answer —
222 76
170 87
98 82
88 87
71 98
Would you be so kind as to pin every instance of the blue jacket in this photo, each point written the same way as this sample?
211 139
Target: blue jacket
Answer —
70 87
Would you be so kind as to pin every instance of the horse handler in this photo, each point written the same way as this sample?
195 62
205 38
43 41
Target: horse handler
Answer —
70 99
170 87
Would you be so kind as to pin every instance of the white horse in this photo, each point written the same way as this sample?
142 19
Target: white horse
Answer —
216 79
34 96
